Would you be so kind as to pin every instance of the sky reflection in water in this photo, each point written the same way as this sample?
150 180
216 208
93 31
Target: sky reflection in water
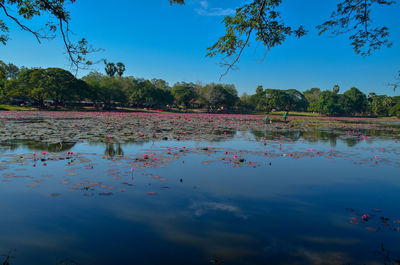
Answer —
197 205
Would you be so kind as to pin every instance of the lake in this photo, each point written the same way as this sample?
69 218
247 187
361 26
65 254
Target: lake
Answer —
140 188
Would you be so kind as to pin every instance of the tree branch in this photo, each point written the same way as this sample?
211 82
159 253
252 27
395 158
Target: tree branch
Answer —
230 66
23 27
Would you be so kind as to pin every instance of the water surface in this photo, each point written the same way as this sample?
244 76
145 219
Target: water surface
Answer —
246 197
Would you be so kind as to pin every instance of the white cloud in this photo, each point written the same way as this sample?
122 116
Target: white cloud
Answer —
204 4
206 207
206 10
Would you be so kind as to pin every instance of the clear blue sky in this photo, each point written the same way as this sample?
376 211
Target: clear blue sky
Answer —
154 39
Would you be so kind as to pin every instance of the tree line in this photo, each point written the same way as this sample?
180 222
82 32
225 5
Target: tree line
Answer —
59 88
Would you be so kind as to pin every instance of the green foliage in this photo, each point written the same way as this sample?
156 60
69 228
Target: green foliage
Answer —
395 110
354 101
184 93
106 89
277 99
258 101
381 105
110 69
123 90
219 96
12 71
58 18
328 104
355 17
296 101
269 99
245 104
258 19
120 69
336 89
146 94
39 85
312 96
2 75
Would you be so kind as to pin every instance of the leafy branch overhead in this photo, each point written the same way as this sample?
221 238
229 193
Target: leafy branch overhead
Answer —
258 18
58 21
260 21
354 17
256 21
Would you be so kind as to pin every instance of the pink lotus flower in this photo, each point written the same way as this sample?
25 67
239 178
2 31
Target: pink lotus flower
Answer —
366 217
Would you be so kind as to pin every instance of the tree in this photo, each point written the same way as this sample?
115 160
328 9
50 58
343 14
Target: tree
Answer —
329 104
93 80
145 94
2 74
355 17
110 68
381 105
297 101
336 89
259 99
183 93
395 110
160 83
259 20
62 86
39 85
354 101
120 69
312 96
218 96
396 82
10 71
2 84
58 18
277 99
28 86
245 103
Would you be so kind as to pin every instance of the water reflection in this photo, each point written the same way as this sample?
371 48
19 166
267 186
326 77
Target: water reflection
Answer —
113 150
351 138
31 145
270 209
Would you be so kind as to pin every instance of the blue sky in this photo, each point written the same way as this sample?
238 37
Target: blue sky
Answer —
154 39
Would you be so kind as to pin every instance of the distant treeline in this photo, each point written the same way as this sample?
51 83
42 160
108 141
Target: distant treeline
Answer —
55 88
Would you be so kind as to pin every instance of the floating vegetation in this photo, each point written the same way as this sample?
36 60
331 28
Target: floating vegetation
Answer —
228 186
